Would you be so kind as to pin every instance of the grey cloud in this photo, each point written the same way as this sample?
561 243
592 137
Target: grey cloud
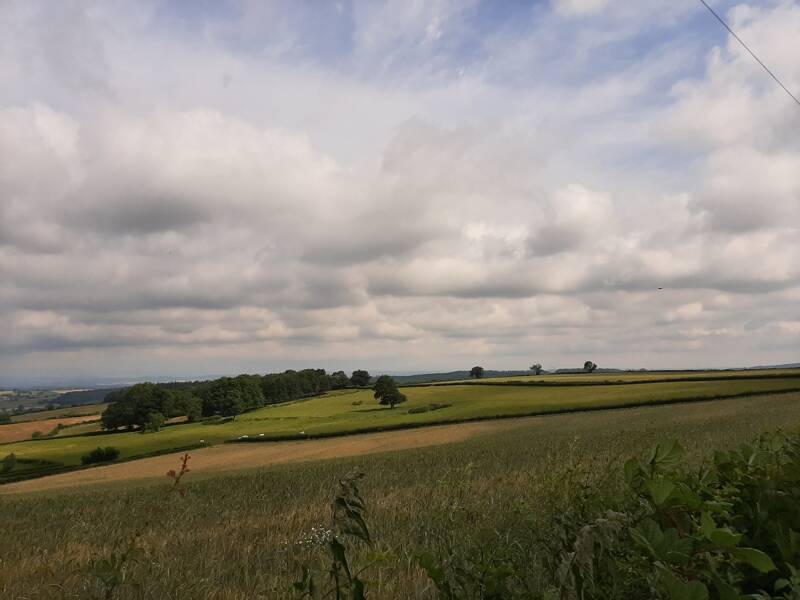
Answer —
300 215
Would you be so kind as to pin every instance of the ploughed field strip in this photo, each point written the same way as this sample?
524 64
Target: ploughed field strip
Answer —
356 411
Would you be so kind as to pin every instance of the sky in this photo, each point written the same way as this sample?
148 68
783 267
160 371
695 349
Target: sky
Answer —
230 186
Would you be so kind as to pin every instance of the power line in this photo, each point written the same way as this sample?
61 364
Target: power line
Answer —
753 54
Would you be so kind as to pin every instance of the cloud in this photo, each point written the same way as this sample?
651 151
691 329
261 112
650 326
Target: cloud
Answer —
400 187
579 7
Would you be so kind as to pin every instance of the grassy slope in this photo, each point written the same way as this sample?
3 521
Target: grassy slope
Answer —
249 525
69 411
629 376
335 413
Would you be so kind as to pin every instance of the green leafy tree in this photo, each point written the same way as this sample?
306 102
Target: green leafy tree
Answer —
536 368
589 366
153 422
339 380
233 404
386 392
360 378
476 372
5 418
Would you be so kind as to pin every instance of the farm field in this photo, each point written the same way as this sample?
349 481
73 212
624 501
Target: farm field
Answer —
352 411
14 432
633 376
257 527
69 411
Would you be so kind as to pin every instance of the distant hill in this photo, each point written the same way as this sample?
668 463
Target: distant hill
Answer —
83 397
578 370
453 376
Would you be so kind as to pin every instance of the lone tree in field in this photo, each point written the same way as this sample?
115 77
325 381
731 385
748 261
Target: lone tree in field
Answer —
386 392
589 366
360 378
476 372
537 368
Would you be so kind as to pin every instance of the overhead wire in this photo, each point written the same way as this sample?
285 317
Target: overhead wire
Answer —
753 54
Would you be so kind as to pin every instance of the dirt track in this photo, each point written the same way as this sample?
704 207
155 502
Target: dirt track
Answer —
17 432
231 457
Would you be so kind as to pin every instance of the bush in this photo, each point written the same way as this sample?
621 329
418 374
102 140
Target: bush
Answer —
423 409
36 435
99 455
4 418
9 462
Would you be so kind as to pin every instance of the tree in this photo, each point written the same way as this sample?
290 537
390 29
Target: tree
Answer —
589 366
476 372
339 380
5 418
232 404
386 392
153 422
537 368
360 378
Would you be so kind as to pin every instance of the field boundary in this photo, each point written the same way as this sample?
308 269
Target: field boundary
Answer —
604 382
559 411
420 425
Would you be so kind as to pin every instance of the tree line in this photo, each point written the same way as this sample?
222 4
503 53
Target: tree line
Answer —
147 406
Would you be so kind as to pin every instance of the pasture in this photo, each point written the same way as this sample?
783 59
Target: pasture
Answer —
258 527
633 376
353 411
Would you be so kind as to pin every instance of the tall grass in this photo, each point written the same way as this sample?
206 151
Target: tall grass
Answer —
246 535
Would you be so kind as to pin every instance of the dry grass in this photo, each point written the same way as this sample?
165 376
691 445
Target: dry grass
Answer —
232 457
16 432
242 535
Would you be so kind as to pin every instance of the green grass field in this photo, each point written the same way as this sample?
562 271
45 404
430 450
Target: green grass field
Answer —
255 527
352 411
632 376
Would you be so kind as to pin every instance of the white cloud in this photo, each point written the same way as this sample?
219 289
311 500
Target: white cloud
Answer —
414 202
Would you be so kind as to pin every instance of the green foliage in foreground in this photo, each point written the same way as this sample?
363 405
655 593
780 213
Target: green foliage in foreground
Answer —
728 531
514 496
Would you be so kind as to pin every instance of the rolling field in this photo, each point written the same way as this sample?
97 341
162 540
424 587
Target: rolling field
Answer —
69 411
352 411
14 432
257 527
633 376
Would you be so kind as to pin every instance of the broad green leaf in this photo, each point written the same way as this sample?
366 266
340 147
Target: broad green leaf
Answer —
666 455
681 590
755 558
660 490
632 471
725 538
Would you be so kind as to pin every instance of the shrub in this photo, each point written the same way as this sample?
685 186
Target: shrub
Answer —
36 435
99 455
423 409
4 418
9 462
